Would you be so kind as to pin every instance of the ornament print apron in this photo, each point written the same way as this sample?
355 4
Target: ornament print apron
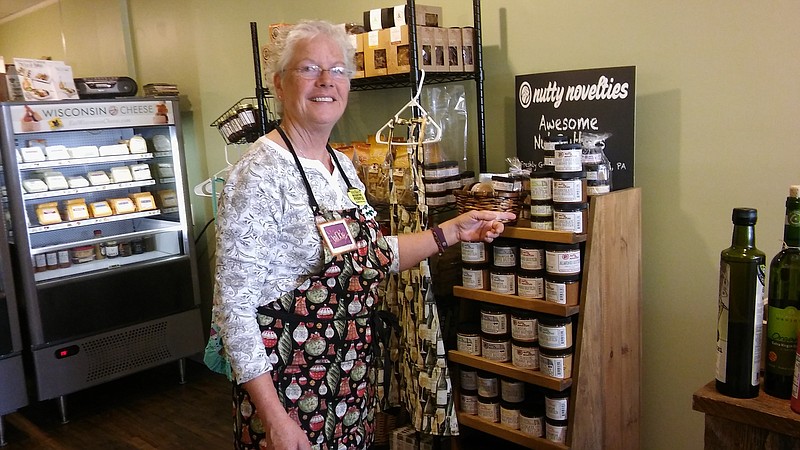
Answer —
320 339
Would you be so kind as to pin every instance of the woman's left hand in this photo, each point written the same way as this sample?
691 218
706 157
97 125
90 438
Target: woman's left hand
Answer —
480 225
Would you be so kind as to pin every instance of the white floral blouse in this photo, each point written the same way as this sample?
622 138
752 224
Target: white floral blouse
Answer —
267 242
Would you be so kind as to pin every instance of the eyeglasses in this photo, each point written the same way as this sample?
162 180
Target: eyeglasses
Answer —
313 71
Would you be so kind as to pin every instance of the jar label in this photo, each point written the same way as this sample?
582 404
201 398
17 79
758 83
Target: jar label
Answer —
556 292
512 391
569 160
473 279
556 408
469 344
542 210
555 366
555 337
524 329
505 257
568 221
474 252
531 258
469 404
599 189
487 387
510 418
563 262
530 287
469 380
556 433
494 323
496 351
568 191
541 189
525 357
502 283
532 426
543 225
489 411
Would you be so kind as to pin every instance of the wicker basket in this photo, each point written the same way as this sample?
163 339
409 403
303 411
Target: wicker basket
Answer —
496 201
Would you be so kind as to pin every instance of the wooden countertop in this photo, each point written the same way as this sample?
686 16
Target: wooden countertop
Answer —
765 411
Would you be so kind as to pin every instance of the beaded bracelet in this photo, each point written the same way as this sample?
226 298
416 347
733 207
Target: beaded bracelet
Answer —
438 236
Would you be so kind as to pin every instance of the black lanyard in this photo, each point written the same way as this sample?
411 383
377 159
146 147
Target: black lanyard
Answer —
312 200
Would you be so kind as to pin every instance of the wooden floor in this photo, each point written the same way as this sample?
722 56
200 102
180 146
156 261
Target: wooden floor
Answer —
148 410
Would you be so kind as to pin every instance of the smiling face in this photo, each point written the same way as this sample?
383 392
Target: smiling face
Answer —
316 104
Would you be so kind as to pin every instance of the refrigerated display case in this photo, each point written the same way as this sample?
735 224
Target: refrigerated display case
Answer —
13 392
102 240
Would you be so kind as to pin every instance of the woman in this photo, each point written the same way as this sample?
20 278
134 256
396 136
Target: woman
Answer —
299 258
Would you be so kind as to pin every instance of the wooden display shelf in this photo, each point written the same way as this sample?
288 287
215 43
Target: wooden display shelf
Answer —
515 301
764 422
508 433
521 231
509 370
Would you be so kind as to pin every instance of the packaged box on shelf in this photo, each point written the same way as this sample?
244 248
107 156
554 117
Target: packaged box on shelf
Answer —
405 438
357 40
375 49
455 59
468 48
440 50
425 44
398 55
395 16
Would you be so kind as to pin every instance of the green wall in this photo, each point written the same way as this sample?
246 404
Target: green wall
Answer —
716 123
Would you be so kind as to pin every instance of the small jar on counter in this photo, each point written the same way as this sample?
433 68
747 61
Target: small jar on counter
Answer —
556 404
496 349
555 430
469 402
530 283
531 422
509 414
512 391
568 158
563 259
468 378
524 326
525 355
569 187
502 280
556 363
489 408
531 255
541 187
504 253
542 223
570 217
488 384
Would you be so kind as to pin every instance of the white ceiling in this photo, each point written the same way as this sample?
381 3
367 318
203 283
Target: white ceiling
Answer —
11 7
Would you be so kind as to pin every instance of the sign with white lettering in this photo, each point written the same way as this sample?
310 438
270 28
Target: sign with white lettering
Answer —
576 104
34 116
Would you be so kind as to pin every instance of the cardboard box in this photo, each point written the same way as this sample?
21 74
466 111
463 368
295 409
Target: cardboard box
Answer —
440 59
425 44
397 16
468 48
454 56
376 45
399 56
428 16
357 40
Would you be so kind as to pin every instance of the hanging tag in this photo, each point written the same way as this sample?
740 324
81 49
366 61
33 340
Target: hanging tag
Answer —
369 212
356 196
336 236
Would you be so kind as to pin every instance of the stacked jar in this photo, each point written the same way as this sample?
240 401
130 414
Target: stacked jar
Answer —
570 207
495 333
598 170
512 398
530 276
542 185
532 416
441 179
524 339
488 396
475 265
555 346
556 410
503 274
562 273
468 390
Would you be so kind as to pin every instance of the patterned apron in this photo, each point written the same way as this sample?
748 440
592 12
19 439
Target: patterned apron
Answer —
319 339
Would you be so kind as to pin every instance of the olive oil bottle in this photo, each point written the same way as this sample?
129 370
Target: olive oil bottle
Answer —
784 303
741 309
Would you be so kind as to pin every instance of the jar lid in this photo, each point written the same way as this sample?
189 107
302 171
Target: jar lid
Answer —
513 406
495 399
553 247
501 270
542 173
556 423
556 138
468 328
570 207
487 375
504 242
555 395
532 413
525 273
549 319
496 338
555 353
567 146
474 266
523 314
468 392
562 278
569 175
524 344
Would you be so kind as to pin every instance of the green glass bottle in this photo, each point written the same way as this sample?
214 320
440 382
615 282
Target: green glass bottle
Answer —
784 303
741 309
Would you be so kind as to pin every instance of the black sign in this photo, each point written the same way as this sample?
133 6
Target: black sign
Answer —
578 103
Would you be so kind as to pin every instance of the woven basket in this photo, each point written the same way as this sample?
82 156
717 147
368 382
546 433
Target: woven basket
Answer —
497 201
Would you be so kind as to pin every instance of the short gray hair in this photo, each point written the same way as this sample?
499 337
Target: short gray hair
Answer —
281 49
